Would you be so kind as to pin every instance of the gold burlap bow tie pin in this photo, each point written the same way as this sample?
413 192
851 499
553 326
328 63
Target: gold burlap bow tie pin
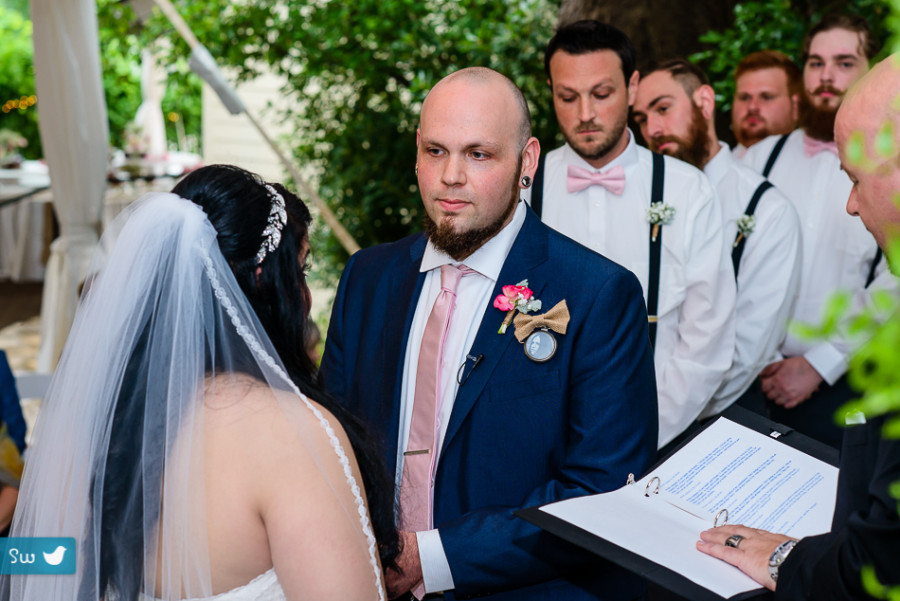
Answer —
534 331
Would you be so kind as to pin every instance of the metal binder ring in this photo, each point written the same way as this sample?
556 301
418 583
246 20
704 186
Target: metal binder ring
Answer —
630 479
716 523
655 491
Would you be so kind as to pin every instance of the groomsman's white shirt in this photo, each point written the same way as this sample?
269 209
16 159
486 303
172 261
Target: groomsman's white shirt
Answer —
473 295
739 151
768 277
695 331
837 250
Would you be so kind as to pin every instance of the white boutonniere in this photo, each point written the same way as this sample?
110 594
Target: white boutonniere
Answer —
745 226
659 214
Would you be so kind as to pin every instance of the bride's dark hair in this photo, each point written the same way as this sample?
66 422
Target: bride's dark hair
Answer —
237 205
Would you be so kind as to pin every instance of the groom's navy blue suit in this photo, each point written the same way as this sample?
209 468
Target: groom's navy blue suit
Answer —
521 433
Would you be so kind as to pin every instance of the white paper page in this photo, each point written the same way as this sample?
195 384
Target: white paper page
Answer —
761 482
657 531
758 479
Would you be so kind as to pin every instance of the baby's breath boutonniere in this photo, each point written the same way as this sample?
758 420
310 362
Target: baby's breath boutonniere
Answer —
659 214
745 226
516 298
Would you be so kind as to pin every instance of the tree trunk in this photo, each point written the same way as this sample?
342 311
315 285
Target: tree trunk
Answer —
659 30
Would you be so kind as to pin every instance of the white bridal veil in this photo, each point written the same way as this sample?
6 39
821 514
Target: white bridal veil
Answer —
164 336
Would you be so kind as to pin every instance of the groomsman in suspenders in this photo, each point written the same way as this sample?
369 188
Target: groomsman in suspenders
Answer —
767 90
658 217
675 110
806 387
865 531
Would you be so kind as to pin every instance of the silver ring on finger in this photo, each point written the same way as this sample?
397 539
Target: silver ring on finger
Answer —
734 541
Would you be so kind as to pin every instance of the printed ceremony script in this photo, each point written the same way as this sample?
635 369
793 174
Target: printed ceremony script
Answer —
727 472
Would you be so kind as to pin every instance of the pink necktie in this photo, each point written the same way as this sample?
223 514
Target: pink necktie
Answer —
419 458
613 179
811 146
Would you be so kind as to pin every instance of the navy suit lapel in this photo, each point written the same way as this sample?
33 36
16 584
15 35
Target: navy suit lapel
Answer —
528 252
407 283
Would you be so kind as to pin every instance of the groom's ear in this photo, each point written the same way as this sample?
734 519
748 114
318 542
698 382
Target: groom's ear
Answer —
418 137
530 155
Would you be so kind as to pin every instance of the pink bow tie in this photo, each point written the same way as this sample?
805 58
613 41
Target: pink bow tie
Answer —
613 179
811 146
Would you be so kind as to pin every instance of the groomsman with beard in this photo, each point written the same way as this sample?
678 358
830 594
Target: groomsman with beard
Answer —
675 111
655 215
806 387
767 89
865 531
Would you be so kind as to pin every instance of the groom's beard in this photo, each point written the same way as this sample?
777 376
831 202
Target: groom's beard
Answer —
460 245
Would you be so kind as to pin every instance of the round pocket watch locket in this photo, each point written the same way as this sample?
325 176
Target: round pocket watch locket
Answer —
540 345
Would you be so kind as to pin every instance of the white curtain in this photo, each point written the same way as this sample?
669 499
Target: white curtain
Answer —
74 134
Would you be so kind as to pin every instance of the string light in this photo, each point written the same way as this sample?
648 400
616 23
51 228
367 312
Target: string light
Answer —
21 104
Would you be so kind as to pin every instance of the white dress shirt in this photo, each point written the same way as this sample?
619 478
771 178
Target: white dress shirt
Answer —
472 298
695 329
837 250
738 151
768 277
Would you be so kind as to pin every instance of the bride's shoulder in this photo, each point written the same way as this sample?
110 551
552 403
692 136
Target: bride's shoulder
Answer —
276 427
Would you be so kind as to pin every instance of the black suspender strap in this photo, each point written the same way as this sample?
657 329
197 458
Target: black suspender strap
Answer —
537 189
656 195
875 263
774 156
740 240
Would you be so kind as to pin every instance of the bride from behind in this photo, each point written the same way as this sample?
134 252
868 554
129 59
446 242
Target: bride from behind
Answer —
183 443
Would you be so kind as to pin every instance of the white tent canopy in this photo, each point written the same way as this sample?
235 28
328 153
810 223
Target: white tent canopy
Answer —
74 134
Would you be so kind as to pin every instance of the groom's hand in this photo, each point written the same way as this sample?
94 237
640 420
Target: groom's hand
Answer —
409 576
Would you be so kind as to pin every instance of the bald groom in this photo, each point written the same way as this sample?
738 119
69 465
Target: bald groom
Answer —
477 423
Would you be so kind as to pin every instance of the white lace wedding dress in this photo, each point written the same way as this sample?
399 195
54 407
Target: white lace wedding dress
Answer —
264 587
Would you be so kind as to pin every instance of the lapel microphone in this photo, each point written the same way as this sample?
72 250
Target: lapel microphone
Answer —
462 376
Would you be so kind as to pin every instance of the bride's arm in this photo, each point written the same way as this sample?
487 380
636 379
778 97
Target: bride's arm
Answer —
310 514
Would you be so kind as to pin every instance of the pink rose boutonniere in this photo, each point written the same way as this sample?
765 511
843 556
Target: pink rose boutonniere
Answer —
515 298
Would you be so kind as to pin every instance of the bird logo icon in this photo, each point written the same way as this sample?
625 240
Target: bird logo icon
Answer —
55 558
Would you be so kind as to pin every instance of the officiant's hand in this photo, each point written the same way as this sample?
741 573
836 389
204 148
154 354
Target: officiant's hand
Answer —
409 576
751 556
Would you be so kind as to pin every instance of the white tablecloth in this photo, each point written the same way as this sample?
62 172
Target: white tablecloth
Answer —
22 223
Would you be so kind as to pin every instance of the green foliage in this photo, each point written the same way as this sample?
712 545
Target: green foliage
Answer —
17 79
120 56
19 6
121 40
875 588
357 73
777 25
892 25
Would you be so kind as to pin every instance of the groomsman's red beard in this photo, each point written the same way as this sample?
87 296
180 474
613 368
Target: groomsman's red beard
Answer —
694 148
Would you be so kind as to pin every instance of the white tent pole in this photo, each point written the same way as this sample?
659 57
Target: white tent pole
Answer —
203 64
